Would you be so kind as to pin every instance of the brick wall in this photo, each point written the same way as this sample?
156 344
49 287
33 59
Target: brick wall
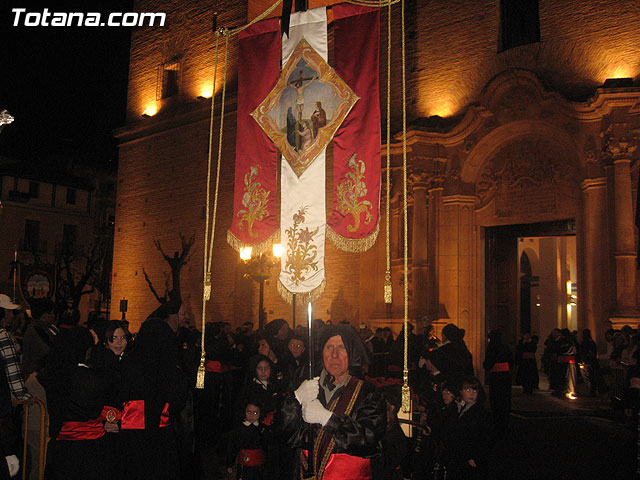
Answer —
451 56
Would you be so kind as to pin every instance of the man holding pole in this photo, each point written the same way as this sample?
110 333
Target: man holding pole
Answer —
336 419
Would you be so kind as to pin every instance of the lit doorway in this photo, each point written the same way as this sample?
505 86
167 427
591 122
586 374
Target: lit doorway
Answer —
531 279
547 284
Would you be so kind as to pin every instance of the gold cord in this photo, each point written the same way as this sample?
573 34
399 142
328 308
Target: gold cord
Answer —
406 397
388 294
210 223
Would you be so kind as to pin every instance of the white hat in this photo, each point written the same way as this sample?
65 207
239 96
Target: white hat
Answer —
6 303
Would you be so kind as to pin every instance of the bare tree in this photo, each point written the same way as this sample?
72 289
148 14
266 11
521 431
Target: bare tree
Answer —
81 271
176 262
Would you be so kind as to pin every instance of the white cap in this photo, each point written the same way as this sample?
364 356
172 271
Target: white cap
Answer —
6 303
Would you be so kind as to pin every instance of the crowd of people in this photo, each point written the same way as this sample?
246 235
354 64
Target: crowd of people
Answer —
273 406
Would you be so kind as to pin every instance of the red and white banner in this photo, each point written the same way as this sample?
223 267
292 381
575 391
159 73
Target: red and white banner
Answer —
255 218
354 221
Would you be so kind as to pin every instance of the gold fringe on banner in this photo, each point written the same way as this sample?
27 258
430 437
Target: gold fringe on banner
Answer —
287 296
353 245
257 248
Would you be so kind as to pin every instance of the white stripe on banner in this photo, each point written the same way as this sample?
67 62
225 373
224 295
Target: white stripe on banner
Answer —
302 199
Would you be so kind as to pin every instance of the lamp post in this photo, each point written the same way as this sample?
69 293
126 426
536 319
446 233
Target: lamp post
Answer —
258 269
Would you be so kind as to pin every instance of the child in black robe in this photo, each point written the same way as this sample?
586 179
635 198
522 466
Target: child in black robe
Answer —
247 445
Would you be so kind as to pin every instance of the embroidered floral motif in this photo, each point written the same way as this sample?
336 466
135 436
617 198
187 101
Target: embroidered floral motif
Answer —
301 252
351 191
254 200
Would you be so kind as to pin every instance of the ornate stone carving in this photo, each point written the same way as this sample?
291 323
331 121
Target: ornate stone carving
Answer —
618 142
590 157
524 165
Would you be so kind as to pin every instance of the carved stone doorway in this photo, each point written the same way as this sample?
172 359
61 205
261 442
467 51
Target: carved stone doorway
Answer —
528 268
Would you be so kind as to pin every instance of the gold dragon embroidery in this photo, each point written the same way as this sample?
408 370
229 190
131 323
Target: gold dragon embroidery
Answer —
350 193
301 252
255 201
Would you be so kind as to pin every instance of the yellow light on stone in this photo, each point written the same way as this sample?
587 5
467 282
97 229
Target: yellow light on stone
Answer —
150 111
245 253
277 250
206 92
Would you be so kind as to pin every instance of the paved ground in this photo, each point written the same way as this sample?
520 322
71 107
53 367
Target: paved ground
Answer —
553 438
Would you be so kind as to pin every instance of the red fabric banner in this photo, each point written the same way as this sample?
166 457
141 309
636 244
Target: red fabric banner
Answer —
354 221
255 219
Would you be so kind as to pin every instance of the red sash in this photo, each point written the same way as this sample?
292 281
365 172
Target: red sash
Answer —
342 466
90 430
566 359
215 366
500 367
528 355
133 415
269 418
252 458
110 414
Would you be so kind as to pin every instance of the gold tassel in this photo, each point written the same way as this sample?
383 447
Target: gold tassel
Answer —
200 376
387 287
207 287
406 398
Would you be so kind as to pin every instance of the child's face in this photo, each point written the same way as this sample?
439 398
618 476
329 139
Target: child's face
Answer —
469 393
263 371
252 413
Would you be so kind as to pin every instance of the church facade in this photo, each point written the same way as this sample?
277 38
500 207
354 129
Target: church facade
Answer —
522 168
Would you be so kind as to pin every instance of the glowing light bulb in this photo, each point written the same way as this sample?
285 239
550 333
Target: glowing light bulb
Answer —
277 250
245 253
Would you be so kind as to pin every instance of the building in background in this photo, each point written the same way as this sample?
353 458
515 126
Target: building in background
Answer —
60 219
523 126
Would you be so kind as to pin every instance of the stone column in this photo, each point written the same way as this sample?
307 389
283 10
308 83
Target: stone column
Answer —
619 149
435 196
594 192
419 247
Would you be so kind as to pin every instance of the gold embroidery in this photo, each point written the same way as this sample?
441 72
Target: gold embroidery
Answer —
301 252
255 200
351 191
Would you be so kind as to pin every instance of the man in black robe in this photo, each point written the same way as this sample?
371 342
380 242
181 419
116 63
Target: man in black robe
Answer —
335 413
154 390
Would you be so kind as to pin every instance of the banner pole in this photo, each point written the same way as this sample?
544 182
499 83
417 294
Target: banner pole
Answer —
309 320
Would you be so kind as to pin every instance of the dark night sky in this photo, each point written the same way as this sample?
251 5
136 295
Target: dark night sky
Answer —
65 86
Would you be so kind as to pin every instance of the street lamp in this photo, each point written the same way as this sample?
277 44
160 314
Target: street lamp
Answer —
258 269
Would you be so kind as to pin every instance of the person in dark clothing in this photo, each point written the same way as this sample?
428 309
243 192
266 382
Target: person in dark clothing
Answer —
453 359
589 365
297 362
466 434
387 465
79 394
527 375
335 413
213 403
262 388
153 391
396 355
497 364
248 444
